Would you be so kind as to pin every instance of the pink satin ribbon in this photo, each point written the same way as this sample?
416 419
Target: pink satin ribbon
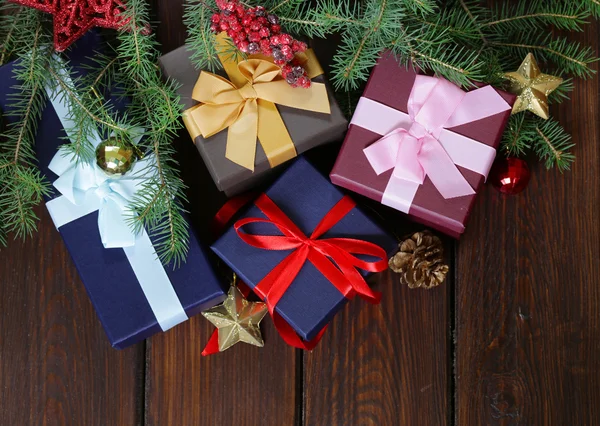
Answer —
418 144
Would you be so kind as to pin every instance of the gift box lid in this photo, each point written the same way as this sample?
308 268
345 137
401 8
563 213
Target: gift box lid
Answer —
305 196
110 281
390 84
307 129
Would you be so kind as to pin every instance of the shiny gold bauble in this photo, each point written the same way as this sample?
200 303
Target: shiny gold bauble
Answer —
115 157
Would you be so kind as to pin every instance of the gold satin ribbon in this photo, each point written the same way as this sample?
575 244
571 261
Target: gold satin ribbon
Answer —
245 104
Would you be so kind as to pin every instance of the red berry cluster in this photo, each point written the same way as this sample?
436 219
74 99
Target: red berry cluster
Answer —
254 31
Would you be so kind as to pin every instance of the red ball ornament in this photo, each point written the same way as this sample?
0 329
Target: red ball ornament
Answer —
510 175
73 18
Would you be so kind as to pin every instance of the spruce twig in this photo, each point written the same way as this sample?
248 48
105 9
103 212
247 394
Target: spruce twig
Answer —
22 186
155 107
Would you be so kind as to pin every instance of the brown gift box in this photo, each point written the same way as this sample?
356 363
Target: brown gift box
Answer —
307 129
390 84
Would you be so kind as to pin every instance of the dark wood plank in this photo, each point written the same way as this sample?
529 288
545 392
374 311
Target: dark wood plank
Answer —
56 364
244 385
382 365
528 316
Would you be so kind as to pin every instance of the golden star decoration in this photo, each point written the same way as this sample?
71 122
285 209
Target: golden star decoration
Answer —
237 320
531 87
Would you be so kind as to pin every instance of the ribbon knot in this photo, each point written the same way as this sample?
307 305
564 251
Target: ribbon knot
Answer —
245 105
87 189
419 144
335 258
418 131
104 190
248 92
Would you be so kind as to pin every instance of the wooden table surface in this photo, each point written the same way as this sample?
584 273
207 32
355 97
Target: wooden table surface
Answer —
512 338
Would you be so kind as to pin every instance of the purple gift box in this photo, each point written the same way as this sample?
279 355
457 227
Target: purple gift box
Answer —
421 145
122 303
305 196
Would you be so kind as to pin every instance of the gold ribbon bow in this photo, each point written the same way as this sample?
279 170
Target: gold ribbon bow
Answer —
246 105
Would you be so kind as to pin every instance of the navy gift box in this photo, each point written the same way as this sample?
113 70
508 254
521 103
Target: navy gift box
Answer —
305 196
107 274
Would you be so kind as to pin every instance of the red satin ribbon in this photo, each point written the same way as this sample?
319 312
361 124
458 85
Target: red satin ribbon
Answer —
333 257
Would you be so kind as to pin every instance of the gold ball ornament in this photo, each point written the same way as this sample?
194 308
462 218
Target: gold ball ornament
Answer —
115 157
532 87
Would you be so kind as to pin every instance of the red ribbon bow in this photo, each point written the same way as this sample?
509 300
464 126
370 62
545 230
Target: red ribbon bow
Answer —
333 257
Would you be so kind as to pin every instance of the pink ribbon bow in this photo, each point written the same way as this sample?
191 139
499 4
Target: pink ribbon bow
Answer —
418 144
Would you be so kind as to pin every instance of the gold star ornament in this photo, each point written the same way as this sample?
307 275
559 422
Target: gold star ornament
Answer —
237 320
531 87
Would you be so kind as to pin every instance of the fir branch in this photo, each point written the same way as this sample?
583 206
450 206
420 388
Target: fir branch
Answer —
570 57
423 7
327 17
467 8
561 93
593 6
457 26
458 65
9 22
102 72
154 107
553 144
537 14
21 185
280 5
519 135
73 96
359 51
200 40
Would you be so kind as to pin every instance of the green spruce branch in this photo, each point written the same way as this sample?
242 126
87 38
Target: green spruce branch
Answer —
22 186
553 144
201 41
9 21
538 14
155 108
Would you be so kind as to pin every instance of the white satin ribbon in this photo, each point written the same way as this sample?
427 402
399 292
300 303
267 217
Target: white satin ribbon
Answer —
85 188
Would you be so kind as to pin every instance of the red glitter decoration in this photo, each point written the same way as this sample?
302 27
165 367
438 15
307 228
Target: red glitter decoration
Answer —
510 175
253 31
73 18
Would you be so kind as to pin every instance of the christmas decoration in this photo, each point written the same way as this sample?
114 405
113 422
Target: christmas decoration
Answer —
115 157
420 261
463 41
237 320
133 294
510 175
73 18
531 87
126 67
307 283
269 112
254 31
386 133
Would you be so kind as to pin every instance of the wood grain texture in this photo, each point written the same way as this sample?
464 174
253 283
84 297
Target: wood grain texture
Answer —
56 364
528 301
244 385
382 365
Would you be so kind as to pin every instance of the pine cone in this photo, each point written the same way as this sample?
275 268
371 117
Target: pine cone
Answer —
420 261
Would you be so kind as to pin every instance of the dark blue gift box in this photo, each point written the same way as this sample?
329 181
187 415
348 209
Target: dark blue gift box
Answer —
106 273
305 196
